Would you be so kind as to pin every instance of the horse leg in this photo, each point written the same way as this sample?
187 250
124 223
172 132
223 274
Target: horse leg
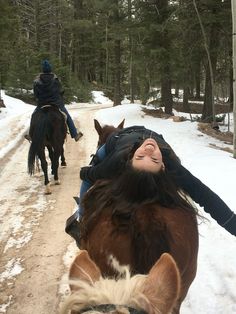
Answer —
55 165
51 156
44 166
63 160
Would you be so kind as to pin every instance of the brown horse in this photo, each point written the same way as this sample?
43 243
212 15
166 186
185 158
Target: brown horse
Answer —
105 131
48 130
138 234
153 293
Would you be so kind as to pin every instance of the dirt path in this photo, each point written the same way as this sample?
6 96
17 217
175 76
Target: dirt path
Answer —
36 248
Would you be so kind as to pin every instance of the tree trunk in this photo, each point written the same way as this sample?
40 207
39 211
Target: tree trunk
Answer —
166 96
198 81
231 89
131 72
117 59
234 70
117 87
186 98
207 111
163 14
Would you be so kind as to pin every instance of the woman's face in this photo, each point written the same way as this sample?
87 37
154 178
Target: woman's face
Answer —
148 157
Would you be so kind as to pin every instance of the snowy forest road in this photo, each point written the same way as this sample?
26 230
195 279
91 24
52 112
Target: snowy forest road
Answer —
34 246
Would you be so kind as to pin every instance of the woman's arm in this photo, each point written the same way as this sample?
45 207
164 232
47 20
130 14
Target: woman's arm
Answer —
112 165
206 198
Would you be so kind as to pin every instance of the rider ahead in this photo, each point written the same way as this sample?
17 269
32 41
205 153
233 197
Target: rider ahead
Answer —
48 91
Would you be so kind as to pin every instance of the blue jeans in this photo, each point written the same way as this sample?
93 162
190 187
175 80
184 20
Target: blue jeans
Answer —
85 185
70 122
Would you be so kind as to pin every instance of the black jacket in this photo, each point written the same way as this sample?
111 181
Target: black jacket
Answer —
121 143
47 90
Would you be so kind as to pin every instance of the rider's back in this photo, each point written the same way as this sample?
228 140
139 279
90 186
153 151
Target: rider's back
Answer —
47 90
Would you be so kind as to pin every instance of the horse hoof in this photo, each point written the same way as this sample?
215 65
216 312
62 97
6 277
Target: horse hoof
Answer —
57 182
48 189
63 164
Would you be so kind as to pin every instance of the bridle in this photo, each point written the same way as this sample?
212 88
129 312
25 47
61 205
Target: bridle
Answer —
105 308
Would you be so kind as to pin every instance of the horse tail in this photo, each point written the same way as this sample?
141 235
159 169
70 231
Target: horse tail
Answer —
37 143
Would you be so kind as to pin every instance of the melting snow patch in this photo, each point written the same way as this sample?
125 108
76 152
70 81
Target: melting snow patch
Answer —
5 305
13 268
18 243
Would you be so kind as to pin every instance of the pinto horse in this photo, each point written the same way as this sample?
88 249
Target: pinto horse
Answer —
48 130
138 234
154 293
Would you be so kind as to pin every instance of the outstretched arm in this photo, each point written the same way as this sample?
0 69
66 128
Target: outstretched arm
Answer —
206 198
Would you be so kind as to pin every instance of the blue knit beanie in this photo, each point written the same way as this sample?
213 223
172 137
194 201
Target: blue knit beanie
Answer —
46 66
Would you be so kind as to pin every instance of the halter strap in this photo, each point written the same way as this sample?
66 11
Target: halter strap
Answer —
103 308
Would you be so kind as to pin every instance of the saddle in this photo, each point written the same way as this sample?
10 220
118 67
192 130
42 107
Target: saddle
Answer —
57 108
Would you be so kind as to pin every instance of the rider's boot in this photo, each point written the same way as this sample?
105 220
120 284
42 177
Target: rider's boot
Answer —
73 225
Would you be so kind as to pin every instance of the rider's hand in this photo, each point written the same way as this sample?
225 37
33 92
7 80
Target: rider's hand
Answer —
230 225
111 166
84 173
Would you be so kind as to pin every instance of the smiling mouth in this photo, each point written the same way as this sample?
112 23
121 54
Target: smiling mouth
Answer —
150 143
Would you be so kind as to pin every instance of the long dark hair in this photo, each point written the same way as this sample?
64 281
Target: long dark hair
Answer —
133 188
142 187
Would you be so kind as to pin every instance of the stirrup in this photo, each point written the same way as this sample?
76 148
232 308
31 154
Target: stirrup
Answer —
28 138
73 228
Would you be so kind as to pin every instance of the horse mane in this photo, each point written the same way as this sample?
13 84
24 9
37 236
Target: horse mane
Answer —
155 292
142 219
122 197
124 291
137 220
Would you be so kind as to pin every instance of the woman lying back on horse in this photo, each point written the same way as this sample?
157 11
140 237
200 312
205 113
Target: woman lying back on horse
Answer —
142 154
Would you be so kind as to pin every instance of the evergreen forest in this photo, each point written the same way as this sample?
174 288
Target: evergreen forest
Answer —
132 48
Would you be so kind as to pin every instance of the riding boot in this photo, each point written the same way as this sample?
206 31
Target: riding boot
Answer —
72 228
27 137
73 225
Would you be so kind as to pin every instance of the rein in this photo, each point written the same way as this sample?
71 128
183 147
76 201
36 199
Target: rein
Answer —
104 308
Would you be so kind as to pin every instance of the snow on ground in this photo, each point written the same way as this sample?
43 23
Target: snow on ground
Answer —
213 291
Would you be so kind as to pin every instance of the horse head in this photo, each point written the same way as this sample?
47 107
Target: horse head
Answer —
153 293
106 130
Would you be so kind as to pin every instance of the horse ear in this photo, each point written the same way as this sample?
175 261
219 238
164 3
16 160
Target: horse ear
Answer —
162 285
97 126
83 268
121 125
